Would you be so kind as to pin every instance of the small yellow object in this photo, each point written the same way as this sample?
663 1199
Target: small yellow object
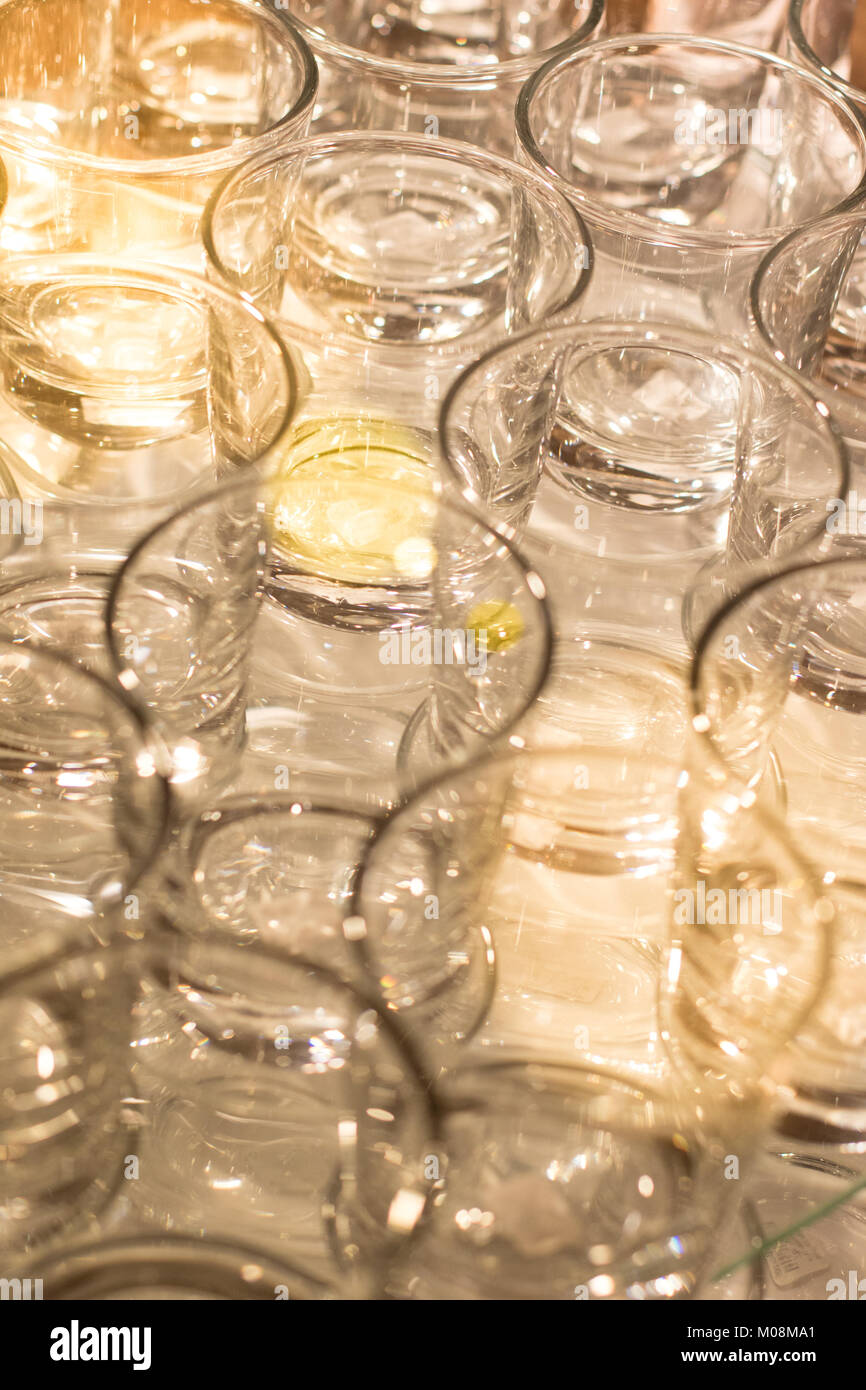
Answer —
497 625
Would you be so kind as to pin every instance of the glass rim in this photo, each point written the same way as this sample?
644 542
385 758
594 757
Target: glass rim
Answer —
829 223
763 581
172 284
173 1255
120 950
624 221
712 765
626 1091
229 811
287 35
144 732
530 180
801 43
445 74
496 534
160 949
653 334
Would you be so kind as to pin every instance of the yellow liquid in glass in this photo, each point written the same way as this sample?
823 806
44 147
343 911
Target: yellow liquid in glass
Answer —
354 501
498 626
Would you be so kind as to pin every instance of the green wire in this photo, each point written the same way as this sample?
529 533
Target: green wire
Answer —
817 1215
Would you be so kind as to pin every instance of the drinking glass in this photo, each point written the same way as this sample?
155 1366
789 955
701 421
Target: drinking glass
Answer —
370 635
778 676
276 1103
279 870
448 69
527 902
117 121
807 302
688 159
83 806
572 1183
390 262
150 1268
64 1062
759 23
630 456
124 394
824 35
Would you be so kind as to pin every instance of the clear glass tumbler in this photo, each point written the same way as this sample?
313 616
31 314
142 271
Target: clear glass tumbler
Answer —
632 457
374 634
84 809
688 159
526 903
662 441
817 1198
275 1103
571 1183
123 394
446 69
807 303
278 869
390 263
64 1068
117 120
777 690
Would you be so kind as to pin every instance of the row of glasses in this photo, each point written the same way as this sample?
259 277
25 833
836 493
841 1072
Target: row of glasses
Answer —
129 394
116 139
350 561
517 914
801 629
262 1097
783 511
456 71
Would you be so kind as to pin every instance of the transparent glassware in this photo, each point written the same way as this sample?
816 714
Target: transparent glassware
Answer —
445 69
777 677
275 1103
369 656
123 394
64 1063
116 122
390 263
633 460
759 23
824 36
277 869
157 1267
807 303
572 1183
84 807
720 151
527 904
